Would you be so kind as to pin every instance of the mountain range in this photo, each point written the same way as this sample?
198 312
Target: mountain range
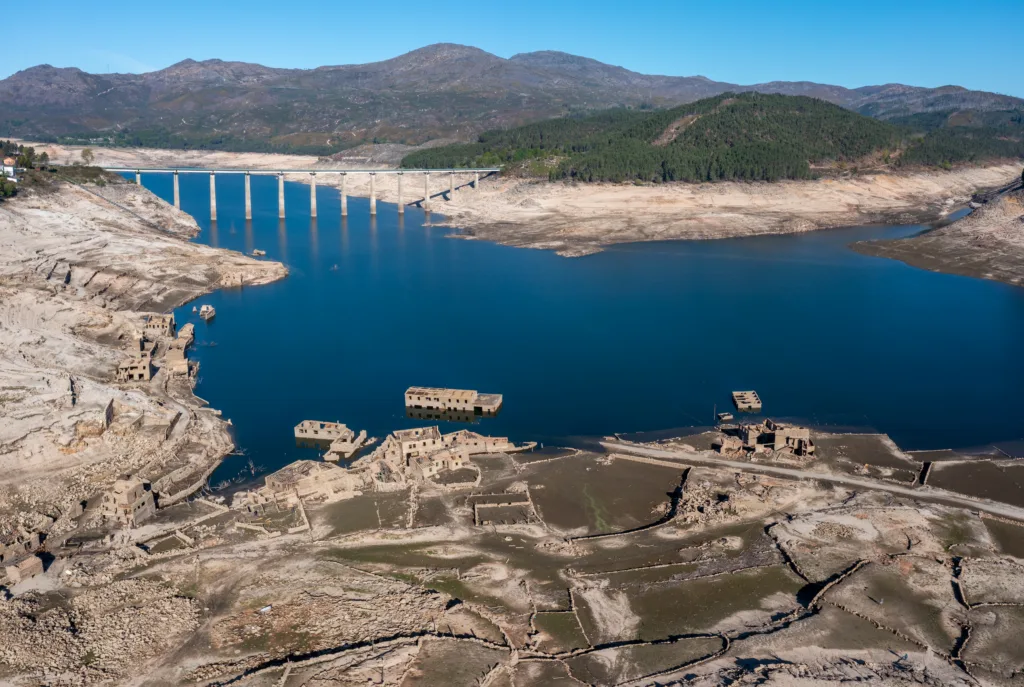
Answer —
441 91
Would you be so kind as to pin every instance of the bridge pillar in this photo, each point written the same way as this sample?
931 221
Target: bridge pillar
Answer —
451 187
177 193
344 196
312 194
213 196
138 178
476 181
373 194
401 206
248 197
280 195
426 191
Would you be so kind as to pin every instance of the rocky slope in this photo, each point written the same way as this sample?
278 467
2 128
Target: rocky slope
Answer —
437 91
988 243
77 274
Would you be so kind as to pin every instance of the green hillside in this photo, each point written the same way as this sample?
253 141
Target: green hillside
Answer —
964 135
750 136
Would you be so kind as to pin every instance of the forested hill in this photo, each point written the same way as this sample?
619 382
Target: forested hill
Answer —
749 136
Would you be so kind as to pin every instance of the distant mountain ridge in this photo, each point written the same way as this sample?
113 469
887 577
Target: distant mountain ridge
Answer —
439 91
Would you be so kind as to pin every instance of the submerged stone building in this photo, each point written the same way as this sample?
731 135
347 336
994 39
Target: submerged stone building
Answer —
435 398
340 441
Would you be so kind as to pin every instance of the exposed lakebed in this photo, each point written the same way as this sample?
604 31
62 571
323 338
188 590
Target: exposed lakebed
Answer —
640 337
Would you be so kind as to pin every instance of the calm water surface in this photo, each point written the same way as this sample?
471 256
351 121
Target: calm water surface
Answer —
640 337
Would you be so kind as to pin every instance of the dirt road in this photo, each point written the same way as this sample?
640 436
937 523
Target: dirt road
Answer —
921 493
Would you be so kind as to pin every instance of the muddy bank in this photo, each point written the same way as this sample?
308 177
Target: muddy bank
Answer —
79 268
988 243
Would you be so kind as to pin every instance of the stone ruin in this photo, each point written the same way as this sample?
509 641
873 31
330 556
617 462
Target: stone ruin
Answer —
423 453
768 437
159 326
129 502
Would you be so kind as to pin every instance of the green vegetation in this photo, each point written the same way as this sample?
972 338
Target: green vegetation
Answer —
953 136
945 147
747 136
750 136
930 121
36 172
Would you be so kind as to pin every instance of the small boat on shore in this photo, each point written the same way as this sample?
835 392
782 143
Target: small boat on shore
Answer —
258 253
207 312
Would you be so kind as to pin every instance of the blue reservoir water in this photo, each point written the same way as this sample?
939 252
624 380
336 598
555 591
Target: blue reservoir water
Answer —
640 337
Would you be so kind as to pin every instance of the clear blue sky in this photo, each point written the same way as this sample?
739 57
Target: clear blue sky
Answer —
977 44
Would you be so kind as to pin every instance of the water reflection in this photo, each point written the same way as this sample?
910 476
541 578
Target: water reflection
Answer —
314 240
214 235
374 245
249 246
318 444
462 416
282 240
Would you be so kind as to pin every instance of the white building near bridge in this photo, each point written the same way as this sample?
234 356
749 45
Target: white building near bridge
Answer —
7 169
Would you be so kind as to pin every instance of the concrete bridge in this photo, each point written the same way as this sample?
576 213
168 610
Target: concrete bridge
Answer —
313 173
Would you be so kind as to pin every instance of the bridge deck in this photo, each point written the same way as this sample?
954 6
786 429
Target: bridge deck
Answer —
196 170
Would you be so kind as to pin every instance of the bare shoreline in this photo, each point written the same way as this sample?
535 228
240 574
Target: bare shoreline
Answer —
580 219
987 244
80 270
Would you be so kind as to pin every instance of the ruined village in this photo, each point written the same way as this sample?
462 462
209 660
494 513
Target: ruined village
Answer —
758 550
437 558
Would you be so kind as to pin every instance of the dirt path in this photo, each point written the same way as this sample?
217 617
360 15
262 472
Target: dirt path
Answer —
920 493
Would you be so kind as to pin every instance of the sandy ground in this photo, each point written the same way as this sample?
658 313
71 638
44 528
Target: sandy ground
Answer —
362 157
988 243
577 219
77 274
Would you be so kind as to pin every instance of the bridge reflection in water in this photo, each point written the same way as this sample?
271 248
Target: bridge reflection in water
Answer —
470 178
